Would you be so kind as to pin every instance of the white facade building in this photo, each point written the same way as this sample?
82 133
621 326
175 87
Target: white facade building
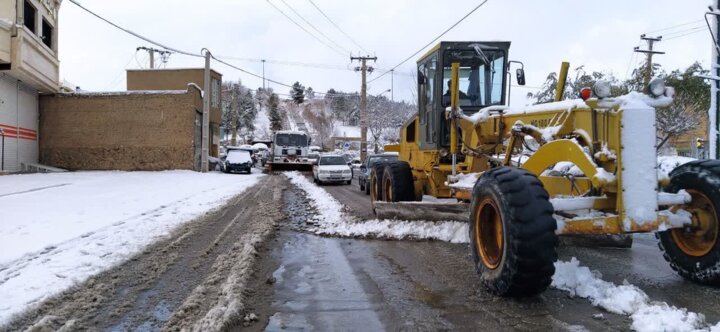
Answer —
28 66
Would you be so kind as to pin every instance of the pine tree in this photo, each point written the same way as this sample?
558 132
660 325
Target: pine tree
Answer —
274 113
297 93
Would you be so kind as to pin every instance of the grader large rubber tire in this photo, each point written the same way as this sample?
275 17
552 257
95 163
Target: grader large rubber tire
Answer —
397 184
375 181
512 232
694 252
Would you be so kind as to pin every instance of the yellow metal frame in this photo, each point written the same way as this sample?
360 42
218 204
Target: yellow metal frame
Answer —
589 129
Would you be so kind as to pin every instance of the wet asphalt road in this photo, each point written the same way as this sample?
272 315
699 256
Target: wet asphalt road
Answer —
325 283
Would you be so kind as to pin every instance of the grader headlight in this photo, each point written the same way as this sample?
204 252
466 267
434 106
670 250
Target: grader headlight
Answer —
602 89
657 87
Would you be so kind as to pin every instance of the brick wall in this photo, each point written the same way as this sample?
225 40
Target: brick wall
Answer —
119 131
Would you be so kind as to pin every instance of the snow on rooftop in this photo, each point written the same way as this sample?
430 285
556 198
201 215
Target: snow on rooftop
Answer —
124 93
58 229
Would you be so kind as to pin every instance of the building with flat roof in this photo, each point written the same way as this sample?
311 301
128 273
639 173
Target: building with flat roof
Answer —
29 66
155 125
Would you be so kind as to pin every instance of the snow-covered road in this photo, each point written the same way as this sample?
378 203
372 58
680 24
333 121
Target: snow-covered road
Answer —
59 229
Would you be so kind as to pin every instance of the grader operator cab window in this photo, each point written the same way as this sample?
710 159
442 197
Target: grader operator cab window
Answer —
481 78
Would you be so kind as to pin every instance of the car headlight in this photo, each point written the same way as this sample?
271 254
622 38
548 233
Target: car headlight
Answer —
324 172
347 171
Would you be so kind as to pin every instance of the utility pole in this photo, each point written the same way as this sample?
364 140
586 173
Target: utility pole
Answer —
205 115
152 51
649 53
363 101
392 85
714 111
263 62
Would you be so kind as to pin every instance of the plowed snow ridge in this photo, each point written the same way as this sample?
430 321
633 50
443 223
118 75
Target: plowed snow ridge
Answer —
331 220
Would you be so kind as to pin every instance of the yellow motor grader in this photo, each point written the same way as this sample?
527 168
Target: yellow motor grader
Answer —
523 176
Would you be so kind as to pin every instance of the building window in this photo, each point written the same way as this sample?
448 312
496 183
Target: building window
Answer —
215 93
47 33
29 14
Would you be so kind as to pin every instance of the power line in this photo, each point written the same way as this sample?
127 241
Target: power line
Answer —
685 34
135 34
303 28
673 27
288 63
336 26
671 34
274 81
432 41
632 60
171 48
314 28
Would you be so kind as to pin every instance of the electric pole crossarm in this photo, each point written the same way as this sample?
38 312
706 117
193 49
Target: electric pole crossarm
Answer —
151 51
647 51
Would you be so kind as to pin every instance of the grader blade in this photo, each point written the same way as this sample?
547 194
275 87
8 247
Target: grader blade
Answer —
429 211
284 167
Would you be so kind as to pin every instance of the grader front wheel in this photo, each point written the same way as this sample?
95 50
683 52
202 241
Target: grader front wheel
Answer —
512 231
694 251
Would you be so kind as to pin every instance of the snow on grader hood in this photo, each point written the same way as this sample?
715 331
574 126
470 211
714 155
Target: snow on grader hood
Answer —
523 176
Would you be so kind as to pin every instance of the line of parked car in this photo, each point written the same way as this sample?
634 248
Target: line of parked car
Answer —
337 168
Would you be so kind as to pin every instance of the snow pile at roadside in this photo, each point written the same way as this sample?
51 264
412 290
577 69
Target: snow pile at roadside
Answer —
331 220
59 229
624 299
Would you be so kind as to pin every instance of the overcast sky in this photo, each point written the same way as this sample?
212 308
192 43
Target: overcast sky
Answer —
600 35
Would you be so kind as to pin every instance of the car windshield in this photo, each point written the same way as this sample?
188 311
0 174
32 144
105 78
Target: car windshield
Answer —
333 160
238 156
375 159
291 140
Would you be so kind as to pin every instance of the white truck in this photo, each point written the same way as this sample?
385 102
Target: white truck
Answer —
290 151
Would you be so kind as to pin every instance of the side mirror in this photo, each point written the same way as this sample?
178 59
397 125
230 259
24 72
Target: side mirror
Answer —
520 75
421 78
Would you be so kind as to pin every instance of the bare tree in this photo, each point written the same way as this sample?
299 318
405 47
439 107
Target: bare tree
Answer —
682 116
320 120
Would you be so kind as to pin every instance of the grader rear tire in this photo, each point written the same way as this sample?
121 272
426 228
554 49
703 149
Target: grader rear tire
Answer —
376 180
512 232
397 184
694 252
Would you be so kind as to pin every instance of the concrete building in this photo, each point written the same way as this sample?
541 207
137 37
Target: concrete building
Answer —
28 67
155 125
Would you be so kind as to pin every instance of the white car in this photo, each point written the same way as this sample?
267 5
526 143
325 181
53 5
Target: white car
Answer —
332 168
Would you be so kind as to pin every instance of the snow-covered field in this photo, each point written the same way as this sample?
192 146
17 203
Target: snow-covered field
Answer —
59 229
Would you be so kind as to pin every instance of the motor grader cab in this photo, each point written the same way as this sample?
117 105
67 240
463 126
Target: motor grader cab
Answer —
523 176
